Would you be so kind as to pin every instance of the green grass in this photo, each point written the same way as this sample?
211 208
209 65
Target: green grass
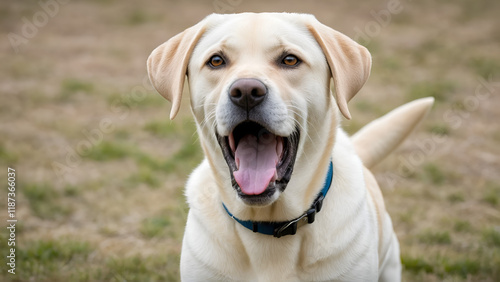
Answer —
44 201
438 256
72 86
39 192
69 260
137 17
491 197
433 174
416 265
58 251
439 129
136 268
47 260
142 100
106 151
184 159
456 197
446 266
461 267
71 191
190 151
154 163
440 90
122 134
434 237
367 107
491 237
391 64
485 67
145 175
75 85
462 226
407 217
73 260
459 106
390 68
470 10
6 156
155 226
491 194
163 128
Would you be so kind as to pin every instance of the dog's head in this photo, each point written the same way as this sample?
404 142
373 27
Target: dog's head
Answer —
260 94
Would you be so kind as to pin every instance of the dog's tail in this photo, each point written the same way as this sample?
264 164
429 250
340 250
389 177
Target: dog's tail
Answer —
380 137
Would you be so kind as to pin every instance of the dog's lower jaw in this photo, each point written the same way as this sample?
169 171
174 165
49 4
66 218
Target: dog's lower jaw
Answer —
268 197
277 185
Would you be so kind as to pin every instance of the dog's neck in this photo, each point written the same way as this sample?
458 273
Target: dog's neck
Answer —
279 229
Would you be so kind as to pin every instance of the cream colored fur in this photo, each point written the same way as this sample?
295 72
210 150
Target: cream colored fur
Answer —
352 238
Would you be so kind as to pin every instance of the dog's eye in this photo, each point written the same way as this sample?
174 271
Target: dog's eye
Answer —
290 60
216 61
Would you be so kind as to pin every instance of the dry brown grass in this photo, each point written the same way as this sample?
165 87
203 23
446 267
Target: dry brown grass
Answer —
118 213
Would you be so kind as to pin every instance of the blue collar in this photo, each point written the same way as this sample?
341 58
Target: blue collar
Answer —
278 229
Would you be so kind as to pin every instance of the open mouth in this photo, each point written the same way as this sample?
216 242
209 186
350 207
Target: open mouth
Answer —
259 161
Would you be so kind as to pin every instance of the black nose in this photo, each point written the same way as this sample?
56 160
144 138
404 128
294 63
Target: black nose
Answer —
247 93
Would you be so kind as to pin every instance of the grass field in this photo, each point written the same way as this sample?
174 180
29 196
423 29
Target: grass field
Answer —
100 169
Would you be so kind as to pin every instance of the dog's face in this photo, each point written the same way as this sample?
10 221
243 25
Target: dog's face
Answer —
260 94
250 86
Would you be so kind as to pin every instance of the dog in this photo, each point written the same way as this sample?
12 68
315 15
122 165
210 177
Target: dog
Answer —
283 193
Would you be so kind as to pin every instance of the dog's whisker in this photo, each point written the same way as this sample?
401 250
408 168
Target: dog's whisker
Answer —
208 117
300 125
302 117
204 105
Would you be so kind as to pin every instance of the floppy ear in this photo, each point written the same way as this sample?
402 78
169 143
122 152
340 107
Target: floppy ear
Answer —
167 65
349 62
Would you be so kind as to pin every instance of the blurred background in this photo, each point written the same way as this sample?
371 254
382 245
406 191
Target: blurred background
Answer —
100 168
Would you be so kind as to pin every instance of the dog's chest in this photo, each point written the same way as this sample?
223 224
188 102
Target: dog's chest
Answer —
319 252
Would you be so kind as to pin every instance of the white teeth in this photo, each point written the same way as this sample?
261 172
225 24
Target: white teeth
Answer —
237 161
231 142
279 146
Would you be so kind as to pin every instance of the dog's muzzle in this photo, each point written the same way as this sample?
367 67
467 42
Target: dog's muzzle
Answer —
260 162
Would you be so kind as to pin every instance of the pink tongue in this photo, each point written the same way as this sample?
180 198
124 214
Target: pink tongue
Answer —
256 160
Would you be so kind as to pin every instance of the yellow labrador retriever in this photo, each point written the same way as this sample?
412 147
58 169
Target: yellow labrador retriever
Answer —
282 194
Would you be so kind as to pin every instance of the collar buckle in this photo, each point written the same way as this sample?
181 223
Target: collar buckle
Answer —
289 228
